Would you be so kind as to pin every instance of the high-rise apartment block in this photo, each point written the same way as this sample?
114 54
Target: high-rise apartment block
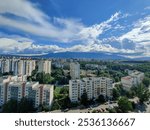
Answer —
24 66
75 70
21 67
30 66
44 66
17 87
93 86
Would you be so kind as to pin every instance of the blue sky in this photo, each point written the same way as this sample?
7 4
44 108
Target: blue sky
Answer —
43 26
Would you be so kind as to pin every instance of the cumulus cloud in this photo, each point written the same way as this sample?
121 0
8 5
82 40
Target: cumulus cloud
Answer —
139 35
23 45
140 31
94 31
8 45
31 19
92 47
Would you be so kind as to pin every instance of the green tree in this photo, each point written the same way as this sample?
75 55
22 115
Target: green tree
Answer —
143 93
55 106
40 77
116 94
117 79
112 110
84 99
64 90
29 78
47 79
43 107
10 107
34 72
25 106
65 103
13 106
146 81
60 77
101 99
43 78
124 104
94 111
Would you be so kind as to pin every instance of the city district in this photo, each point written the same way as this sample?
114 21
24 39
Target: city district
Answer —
73 85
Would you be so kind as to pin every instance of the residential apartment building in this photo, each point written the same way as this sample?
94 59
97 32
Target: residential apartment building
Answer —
95 66
75 70
17 87
29 67
5 66
40 94
21 67
17 66
133 79
44 66
93 86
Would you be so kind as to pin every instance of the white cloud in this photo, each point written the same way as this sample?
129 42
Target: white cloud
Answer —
23 8
92 47
66 34
118 26
136 41
37 22
140 35
85 34
147 8
67 30
88 36
94 31
140 31
8 45
20 45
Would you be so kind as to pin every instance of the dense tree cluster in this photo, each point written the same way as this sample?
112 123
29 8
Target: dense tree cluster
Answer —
24 106
59 77
124 104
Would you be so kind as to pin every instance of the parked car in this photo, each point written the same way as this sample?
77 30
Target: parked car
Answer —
66 110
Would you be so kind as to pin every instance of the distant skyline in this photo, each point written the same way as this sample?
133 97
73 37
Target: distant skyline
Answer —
44 26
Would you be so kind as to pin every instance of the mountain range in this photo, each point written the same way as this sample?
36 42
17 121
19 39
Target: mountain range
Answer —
81 55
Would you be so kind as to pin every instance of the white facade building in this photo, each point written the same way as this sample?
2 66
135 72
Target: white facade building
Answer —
17 66
133 79
21 67
92 86
17 88
75 70
7 64
29 66
44 66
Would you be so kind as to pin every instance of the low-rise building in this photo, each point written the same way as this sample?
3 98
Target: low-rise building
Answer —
95 66
133 79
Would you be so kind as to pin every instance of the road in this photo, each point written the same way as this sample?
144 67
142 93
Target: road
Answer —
90 109
115 84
